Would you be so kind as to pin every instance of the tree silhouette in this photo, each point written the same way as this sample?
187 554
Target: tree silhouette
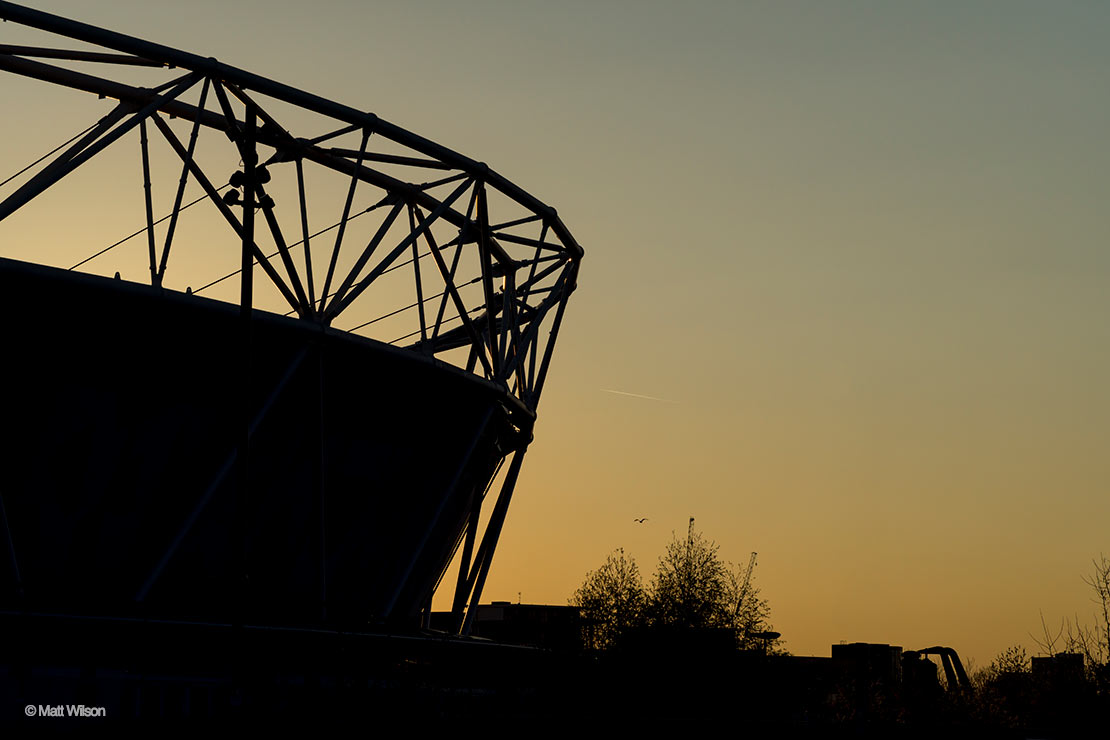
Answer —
1093 642
611 600
694 589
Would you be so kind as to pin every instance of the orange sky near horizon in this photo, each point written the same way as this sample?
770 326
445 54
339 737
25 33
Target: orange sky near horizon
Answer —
857 249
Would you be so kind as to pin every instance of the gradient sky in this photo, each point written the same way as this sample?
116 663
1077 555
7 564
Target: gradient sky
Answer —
859 248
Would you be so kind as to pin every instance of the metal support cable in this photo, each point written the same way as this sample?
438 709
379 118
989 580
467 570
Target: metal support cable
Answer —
411 305
49 153
142 230
397 266
456 317
291 246
388 270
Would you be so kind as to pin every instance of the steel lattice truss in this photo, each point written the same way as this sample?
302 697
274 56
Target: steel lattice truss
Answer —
491 284
489 267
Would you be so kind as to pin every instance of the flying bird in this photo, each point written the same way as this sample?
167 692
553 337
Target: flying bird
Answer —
640 521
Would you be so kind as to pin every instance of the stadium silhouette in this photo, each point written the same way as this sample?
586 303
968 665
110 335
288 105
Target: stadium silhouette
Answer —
223 493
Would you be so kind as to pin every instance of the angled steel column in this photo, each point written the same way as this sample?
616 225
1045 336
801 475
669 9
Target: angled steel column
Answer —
458 604
489 539
460 473
218 479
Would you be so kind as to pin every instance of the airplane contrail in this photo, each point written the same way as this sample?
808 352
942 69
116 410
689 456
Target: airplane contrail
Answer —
637 395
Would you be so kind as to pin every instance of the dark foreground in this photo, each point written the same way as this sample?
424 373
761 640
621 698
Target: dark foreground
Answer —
132 673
